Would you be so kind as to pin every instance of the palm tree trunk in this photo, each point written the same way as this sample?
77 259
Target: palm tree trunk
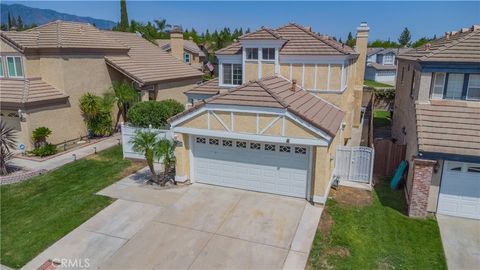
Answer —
119 113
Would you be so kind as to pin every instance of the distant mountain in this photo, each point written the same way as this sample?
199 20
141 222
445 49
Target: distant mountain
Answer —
41 16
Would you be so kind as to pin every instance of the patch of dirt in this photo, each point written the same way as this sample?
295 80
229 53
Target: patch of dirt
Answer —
326 222
337 251
352 197
385 264
135 166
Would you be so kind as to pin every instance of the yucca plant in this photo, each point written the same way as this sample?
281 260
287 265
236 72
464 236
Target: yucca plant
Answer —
7 142
40 135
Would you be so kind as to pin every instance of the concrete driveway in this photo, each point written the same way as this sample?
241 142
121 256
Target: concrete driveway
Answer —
198 226
461 241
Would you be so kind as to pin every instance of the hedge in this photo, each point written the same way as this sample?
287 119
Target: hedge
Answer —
153 113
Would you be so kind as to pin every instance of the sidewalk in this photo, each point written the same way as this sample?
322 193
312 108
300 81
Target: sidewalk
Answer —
61 160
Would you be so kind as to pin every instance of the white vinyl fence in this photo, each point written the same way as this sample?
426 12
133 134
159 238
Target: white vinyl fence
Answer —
128 132
354 163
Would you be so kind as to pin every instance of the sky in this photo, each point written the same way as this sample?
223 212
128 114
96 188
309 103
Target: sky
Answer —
386 19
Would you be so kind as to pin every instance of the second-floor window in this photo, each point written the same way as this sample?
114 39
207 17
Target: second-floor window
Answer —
388 59
268 53
456 86
232 74
1 68
14 66
186 58
251 53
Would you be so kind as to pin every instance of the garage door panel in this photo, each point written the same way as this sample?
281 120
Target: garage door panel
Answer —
460 191
252 169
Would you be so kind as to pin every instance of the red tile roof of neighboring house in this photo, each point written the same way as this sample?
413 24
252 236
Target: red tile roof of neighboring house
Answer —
145 62
210 87
299 41
276 92
31 92
62 35
461 46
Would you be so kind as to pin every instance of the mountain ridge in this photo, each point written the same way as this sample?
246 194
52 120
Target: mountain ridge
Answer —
40 16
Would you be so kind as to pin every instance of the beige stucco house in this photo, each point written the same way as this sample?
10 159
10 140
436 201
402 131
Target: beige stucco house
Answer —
284 100
185 50
437 116
45 70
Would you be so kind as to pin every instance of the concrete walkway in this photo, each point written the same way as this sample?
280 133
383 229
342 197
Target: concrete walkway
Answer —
461 241
58 161
192 227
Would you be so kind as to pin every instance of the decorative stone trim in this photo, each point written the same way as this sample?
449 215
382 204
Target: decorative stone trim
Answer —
422 178
20 176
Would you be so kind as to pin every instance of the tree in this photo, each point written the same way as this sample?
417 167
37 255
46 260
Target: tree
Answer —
7 142
421 41
350 40
123 26
40 135
125 96
97 113
19 24
162 25
404 38
147 143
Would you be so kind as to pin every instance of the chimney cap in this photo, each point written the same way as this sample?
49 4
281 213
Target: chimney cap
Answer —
363 27
176 29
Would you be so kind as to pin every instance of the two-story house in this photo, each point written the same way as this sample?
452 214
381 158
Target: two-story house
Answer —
45 70
284 100
437 115
186 50
382 64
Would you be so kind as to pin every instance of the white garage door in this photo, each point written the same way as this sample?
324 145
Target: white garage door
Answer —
460 190
266 167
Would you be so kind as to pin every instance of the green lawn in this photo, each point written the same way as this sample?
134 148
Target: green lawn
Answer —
381 119
38 212
377 236
375 84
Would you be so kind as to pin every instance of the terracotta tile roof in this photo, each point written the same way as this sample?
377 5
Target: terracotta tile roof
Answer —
263 33
145 63
458 47
451 127
210 87
61 34
276 92
32 92
188 45
299 41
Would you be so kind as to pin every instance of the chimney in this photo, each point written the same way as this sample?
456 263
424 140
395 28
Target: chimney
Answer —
294 85
361 48
176 42
447 35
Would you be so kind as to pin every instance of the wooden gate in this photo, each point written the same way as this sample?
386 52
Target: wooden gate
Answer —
388 156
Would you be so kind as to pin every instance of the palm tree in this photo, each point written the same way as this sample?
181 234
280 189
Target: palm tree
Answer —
7 142
125 96
165 150
162 25
146 142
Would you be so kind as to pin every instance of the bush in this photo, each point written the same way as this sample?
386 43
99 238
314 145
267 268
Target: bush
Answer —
40 135
155 113
97 113
46 150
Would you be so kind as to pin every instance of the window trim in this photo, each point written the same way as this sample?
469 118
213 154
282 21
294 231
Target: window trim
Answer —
185 57
268 59
468 88
232 74
433 85
447 80
15 66
2 74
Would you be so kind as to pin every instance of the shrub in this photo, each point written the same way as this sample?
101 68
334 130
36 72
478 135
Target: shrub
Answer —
97 113
155 113
45 150
40 135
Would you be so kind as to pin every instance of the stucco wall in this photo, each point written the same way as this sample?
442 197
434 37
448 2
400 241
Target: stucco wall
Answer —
175 90
6 48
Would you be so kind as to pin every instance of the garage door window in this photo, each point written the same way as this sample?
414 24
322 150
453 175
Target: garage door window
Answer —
300 150
241 144
474 169
285 149
213 141
255 146
269 147
201 140
227 143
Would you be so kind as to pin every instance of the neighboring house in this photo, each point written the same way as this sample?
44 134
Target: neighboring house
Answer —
186 50
284 100
382 64
45 70
437 115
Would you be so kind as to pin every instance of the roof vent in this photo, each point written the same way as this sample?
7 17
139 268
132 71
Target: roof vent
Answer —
308 28
428 46
475 27
447 35
464 29
294 85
